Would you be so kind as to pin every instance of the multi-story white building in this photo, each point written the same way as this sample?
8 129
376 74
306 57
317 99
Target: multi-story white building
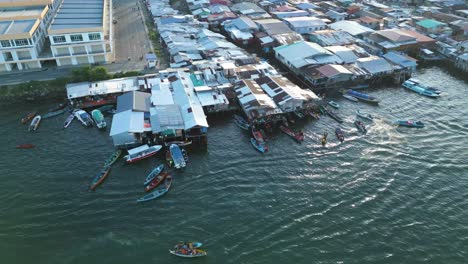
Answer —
67 32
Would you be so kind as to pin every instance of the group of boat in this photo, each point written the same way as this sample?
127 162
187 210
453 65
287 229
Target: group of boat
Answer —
104 172
154 179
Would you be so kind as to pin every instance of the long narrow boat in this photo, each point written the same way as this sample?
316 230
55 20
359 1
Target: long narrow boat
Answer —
54 113
113 158
339 134
260 146
156 181
58 107
153 174
363 97
179 143
335 116
84 118
257 134
141 152
98 119
350 97
297 136
35 123
407 123
240 122
100 177
177 156
69 120
364 115
25 146
360 126
322 109
158 192
28 117
415 86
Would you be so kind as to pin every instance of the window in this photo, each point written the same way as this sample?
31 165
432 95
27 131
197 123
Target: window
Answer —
94 36
59 39
6 43
21 42
76 37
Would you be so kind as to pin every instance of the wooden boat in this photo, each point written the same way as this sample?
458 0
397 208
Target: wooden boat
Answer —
28 117
334 104
98 119
156 181
260 146
240 122
407 123
100 177
335 116
297 136
257 134
360 126
54 113
339 134
322 109
350 97
363 97
179 143
177 156
159 192
299 114
415 86
69 120
364 115
153 174
113 158
84 118
25 146
141 152
187 250
35 123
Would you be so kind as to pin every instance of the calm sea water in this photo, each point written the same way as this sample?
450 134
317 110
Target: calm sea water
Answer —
395 195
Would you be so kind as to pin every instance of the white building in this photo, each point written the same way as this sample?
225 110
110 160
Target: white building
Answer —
305 25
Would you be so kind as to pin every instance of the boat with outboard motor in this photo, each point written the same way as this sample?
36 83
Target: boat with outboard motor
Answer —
362 96
177 156
360 126
416 86
84 118
141 152
408 123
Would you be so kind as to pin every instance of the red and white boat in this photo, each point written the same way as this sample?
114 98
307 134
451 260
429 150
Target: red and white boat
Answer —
297 136
257 134
141 152
156 181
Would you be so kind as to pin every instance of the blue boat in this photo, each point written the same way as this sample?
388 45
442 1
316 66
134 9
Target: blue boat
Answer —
177 156
415 86
407 123
363 97
258 145
155 172
240 122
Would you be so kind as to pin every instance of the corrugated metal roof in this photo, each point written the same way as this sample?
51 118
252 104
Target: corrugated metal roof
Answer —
352 27
164 117
304 53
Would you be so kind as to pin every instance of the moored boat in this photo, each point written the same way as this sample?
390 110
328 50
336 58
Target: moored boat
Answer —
187 250
180 143
25 146
299 114
58 107
240 122
156 181
35 123
334 104
335 116
407 123
360 126
257 134
260 146
98 119
141 152
113 158
297 136
69 120
84 118
100 177
158 192
339 134
416 86
350 97
153 174
28 117
363 97
322 109
177 156
364 115
54 113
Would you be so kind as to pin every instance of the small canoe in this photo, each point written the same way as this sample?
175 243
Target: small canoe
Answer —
350 97
364 115
35 123
156 181
28 117
68 120
258 145
334 104
153 174
25 146
54 113
339 134
297 136
360 126
113 158
407 123
159 192
335 116
240 122
100 177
